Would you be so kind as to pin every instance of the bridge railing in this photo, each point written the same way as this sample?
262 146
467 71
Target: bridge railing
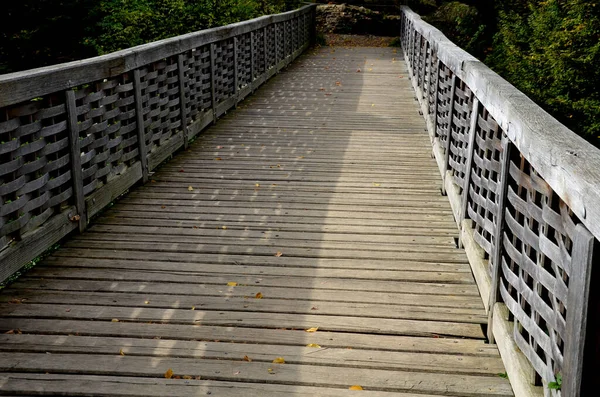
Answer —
525 192
75 136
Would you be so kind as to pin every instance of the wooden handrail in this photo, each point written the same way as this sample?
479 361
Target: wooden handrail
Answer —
525 192
75 136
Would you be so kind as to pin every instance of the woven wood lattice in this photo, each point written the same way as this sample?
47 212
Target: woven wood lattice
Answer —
459 132
224 70
536 266
433 82
35 171
443 103
244 59
485 175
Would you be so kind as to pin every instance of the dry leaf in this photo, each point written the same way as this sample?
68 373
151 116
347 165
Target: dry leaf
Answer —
313 329
355 387
163 207
313 345
279 360
146 302
376 184
186 377
219 147
224 227
218 159
181 170
232 284
357 70
257 184
246 358
115 320
270 371
191 189
258 295
121 352
193 308
169 373
278 254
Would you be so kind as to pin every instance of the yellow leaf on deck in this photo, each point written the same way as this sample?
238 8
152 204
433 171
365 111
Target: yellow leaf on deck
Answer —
355 387
313 329
376 184
193 308
257 184
218 159
313 345
232 284
115 320
258 295
279 360
278 254
191 189
121 352
187 377
146 302
246 358
169 373
224 227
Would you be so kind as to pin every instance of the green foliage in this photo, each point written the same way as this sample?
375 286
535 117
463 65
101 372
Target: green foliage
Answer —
557 385
551 51
36 33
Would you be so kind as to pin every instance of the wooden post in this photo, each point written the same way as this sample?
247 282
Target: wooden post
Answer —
139 114
496 256
236 72
265 50
252 49
75 156
449 136
437 90
182 101
577 311
213 96
426 46
469 163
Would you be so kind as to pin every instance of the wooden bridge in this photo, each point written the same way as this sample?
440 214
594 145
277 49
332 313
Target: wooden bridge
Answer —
307 242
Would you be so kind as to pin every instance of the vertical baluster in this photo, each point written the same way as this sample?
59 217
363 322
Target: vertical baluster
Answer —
75 156
213 97
252 49
236 71
425 47
496 256
265 51
139 114
577 311
469 163
182 101
449 133
437 97
275 35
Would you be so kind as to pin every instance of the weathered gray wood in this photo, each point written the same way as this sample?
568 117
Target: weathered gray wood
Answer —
141 130
38 82
182 101
236 72
496 257
213 96
577 314
96 201
469 163
450 115
75 155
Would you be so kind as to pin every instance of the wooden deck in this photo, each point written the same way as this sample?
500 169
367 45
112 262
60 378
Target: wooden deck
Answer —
315 205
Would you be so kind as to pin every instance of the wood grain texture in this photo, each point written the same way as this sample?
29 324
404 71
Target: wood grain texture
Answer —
314 204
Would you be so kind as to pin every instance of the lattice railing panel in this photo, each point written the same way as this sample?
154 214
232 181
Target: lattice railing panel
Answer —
224 70
244 60
197 82
484 187
433 83
35 176
107 133
270 46
259 52
444 99
536 266
459 132
280 41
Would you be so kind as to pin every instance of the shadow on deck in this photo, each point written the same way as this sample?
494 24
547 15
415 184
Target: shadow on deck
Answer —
315 205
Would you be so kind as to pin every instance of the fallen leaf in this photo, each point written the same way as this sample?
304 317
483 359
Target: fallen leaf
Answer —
355 387
279 360
224 227
372 104
246 358
218 159
187 377
258 295
191 189
236 373
219 147
313 329
257 184
232 284
163 207
169 373
146 302
193 308
357 70
152 181
270 370
278 254
313 345
376 184
314 308
300 157
181 170
121 352
115 320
